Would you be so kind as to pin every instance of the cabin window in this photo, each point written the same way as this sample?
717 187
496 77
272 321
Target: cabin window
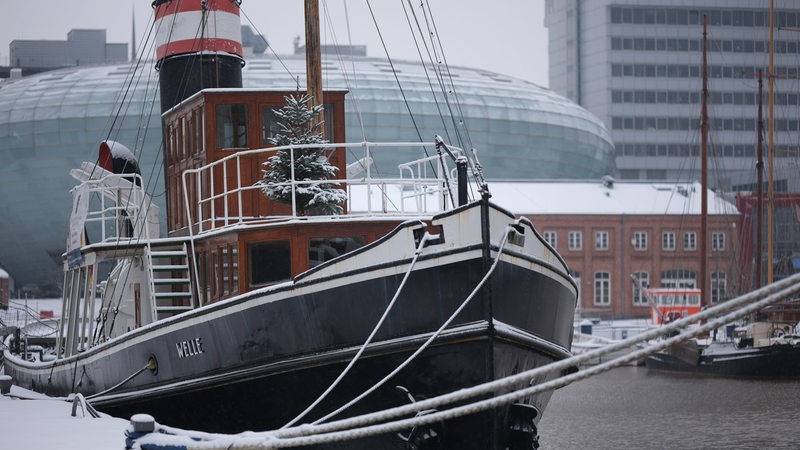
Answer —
171 147
327 116
217 273
202 274
183 139
269 123
325 249
226 279
230 270
197 131
234 269
270 126
270 262
639 299
232 125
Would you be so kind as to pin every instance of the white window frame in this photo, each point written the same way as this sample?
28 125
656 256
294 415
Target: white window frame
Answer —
639 299
601 240
690 241
668 241
575 240
640 240
602 288
719 286
551 237
718 241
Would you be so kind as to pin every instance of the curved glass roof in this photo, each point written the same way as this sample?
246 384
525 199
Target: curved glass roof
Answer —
52 121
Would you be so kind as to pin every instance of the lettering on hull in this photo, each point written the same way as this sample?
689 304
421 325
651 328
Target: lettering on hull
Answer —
192 347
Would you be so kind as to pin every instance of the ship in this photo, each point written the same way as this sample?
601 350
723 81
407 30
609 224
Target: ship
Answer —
251 313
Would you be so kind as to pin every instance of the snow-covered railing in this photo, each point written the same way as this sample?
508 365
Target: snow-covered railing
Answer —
229 191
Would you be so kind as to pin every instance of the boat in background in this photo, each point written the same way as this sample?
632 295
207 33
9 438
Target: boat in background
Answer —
766 345
252 315
762 349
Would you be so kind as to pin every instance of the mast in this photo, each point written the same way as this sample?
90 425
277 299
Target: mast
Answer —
313 57
760 177
704 168
770 137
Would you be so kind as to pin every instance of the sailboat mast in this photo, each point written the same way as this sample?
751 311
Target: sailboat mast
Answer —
704 167
313 58
770 137
760 178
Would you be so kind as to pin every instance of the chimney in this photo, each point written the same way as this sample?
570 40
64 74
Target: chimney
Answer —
198 45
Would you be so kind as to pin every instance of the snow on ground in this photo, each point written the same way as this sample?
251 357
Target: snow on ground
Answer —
46 423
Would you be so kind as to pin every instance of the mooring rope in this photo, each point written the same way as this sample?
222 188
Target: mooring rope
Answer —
150 365
425 238
433 337
368 424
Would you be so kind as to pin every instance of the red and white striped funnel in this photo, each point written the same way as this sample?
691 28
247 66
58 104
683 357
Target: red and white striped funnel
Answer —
198 46
197 26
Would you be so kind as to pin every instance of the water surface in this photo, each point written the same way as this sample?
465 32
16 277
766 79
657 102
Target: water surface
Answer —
631 408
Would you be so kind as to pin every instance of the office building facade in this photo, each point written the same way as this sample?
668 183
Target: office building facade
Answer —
637 65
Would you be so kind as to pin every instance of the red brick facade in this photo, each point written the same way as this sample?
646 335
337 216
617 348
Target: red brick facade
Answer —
666 247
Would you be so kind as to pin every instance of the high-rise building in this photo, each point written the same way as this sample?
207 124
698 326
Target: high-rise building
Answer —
637 65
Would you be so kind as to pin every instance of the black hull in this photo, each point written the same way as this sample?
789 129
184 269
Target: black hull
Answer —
273 400
255 362
776 361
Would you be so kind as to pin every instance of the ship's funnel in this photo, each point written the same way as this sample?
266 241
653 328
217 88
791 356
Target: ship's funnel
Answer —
198 45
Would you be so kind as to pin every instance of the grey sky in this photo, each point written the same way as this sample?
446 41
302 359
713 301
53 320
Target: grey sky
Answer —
505 36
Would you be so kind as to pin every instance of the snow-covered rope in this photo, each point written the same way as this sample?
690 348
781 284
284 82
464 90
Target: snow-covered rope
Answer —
500 400
357 427
425 238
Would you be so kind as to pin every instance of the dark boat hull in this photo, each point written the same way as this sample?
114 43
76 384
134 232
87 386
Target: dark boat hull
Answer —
776 361
255 362
275 398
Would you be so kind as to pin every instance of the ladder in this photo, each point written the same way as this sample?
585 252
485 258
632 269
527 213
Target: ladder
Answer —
170 282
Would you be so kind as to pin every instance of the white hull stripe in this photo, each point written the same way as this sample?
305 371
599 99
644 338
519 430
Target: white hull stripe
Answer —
180 33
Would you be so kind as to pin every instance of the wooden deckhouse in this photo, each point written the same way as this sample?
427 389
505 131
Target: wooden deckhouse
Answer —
243 239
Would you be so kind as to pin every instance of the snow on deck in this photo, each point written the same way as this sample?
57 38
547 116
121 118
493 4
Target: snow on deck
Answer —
47 423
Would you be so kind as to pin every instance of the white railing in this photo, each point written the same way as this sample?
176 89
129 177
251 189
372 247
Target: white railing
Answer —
214 194
110 207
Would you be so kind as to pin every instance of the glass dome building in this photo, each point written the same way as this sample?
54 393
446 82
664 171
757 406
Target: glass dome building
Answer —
51 122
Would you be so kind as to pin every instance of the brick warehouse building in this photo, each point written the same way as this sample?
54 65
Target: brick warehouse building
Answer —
607 231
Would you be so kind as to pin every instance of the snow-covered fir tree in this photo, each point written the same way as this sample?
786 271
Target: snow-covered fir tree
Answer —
297 127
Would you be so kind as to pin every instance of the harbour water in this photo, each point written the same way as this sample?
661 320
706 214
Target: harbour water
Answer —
632 408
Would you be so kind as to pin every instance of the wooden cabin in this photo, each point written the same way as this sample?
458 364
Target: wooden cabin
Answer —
243 240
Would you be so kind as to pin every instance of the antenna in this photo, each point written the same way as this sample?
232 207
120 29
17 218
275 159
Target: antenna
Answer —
133 33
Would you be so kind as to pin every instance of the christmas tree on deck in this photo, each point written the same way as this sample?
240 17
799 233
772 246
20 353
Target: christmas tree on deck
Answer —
314 194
